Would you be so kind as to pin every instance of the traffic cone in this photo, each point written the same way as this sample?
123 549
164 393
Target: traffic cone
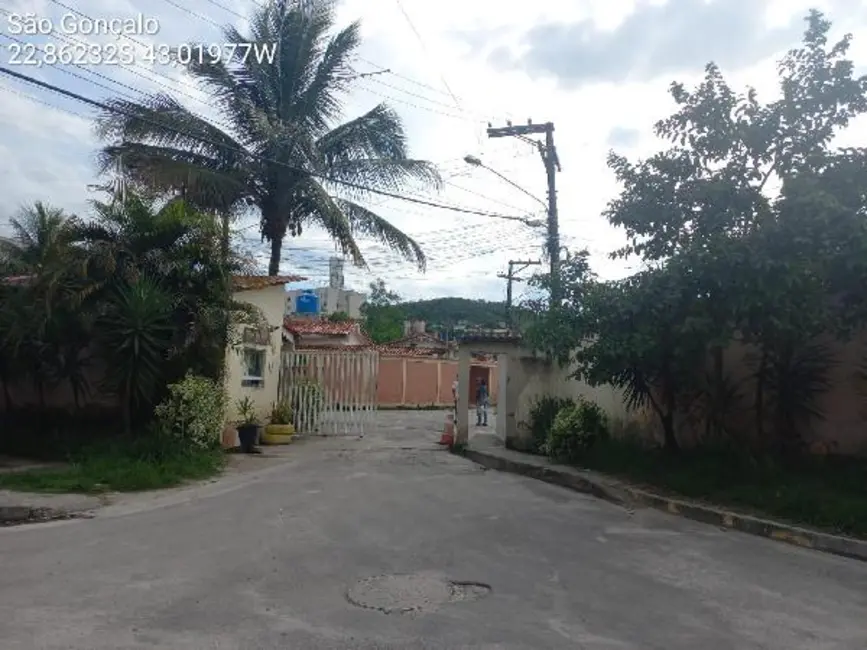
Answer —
448 437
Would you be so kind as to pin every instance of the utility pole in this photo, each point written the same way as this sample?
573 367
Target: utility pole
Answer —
551 161
510 277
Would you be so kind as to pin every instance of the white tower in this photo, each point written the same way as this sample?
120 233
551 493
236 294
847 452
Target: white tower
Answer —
335 273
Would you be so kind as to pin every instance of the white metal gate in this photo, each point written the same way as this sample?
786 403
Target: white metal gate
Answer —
332 393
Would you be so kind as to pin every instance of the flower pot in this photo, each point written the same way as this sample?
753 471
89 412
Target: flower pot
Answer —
248 436
278 434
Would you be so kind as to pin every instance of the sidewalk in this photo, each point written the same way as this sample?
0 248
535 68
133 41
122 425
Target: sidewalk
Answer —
495 457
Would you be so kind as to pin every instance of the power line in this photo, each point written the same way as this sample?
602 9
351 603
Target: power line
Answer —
203 140
69 38
424 48
228 9
193 13
44 103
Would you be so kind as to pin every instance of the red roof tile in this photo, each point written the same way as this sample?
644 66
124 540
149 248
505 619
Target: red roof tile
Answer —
319 327
397 350
334 347
254 282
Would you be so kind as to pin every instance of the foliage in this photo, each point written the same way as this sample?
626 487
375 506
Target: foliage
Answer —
132 298
576 429
383 318
194 412
281 413
557 329
826 493
448 314
246 409
339 317
725 257
145 462
541 418
278 136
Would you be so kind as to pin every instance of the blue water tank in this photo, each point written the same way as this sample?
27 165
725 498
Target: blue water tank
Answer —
307 303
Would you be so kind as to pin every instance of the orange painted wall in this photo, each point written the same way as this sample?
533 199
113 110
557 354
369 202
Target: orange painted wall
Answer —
427 381
389 389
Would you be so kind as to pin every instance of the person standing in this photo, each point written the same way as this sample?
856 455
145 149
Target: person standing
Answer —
482 403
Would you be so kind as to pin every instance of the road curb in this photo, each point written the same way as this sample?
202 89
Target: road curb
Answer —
624 495
17 515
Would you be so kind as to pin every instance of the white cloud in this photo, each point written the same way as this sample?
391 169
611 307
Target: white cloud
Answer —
47 154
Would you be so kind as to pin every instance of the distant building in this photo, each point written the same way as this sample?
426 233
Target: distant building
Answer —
334 298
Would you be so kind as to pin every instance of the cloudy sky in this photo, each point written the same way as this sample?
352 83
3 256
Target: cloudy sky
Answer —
598 69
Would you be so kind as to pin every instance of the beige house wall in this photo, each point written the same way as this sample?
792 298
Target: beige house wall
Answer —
271 301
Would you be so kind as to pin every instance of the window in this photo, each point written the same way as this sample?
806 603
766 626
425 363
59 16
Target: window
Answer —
253 365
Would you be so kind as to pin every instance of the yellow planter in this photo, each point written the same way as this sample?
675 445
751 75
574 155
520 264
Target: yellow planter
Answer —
278 434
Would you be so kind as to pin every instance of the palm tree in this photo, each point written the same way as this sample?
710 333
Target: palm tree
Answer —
277 145
42 330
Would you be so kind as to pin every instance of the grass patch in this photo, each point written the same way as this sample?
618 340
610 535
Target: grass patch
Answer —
122 466
827 493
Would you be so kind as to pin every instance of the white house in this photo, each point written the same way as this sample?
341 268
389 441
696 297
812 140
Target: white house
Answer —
253 366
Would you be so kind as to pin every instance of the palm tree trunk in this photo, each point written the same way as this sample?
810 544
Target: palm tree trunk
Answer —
224 242
274 231
276 250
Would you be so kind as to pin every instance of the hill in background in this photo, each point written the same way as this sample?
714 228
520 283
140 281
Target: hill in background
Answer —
447 313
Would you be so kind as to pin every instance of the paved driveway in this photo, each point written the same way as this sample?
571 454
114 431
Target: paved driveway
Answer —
271 560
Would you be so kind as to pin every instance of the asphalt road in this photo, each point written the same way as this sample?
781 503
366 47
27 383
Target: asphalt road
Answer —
270 560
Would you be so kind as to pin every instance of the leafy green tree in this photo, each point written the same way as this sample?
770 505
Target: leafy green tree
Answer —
558 329
383 318
279 145
43 333
142 286
730 258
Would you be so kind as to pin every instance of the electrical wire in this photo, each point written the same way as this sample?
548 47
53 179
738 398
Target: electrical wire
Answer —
228 9
425 50
193 13
36 100
203 140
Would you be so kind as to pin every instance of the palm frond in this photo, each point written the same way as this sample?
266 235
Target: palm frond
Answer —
163 121
372 150
325 211
166 170
367 223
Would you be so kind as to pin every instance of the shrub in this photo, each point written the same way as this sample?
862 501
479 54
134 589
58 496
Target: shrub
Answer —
281 413
542 415
576 429
194 411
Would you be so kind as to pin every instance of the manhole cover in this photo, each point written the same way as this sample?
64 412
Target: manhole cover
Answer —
409 593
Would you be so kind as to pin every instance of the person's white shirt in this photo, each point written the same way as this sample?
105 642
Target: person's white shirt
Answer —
455 388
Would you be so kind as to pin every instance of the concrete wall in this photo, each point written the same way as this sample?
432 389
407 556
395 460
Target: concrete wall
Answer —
271 301
843 429
412 382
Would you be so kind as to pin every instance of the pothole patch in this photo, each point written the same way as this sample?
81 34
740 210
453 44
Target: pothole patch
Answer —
412 593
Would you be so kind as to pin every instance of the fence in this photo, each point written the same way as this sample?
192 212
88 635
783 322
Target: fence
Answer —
331 392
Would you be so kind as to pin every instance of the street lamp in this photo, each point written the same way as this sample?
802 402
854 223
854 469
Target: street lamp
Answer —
477 162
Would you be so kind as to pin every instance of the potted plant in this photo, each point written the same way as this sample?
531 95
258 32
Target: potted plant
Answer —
248 425
280 430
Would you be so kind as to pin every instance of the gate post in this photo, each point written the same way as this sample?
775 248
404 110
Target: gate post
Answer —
462 417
